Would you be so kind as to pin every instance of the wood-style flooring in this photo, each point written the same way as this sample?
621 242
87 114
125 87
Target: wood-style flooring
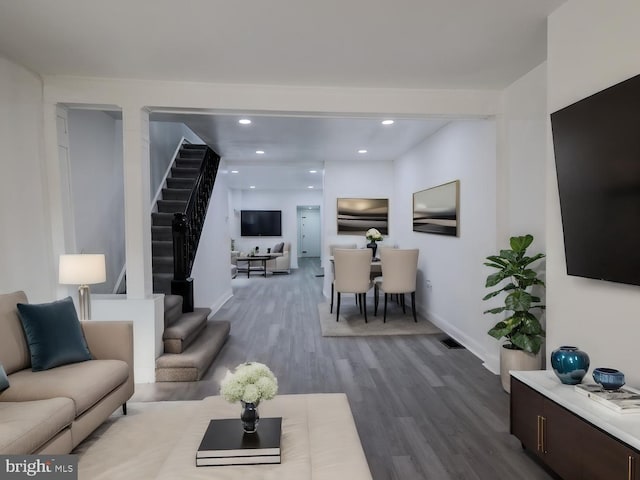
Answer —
422 411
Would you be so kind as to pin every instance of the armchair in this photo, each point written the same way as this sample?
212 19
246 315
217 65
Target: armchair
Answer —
281 263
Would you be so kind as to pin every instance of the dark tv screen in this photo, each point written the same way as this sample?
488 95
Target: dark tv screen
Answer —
597 152
260 223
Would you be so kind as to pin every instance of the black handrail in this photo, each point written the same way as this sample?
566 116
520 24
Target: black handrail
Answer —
187 227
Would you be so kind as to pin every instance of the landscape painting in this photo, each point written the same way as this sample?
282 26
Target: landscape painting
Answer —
436 209
357 215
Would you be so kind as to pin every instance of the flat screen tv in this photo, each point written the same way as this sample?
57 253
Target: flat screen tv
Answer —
261 223
597 152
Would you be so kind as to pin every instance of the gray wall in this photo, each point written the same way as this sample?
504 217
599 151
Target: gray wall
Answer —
97 188
164 138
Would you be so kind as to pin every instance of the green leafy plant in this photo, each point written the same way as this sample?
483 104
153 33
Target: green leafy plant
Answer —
522 328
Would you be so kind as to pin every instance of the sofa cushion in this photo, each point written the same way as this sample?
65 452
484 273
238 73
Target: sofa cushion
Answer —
278 248
53 334
86 383
4 381
14 352
26 426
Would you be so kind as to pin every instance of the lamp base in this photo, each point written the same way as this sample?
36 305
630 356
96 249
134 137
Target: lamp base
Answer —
84 302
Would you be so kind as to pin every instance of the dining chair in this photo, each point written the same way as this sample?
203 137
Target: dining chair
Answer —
352 267
332 248
399 272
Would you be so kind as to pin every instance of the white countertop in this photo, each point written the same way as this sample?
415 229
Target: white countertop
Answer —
625 427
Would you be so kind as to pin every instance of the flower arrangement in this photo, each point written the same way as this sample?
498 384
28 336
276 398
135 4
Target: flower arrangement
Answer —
373 235
250 382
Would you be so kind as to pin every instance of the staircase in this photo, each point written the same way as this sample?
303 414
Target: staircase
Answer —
191 341
174 200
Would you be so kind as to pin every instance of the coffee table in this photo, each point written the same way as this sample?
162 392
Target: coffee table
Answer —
319 441
255 258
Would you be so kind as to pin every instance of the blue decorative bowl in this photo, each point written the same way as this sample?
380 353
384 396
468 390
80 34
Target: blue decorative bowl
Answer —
608 378
570 364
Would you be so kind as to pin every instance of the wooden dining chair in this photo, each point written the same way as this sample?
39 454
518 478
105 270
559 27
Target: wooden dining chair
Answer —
352 267
399 272
332 248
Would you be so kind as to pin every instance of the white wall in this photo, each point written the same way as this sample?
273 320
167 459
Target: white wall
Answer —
97 186
26 258
164 138
211 268
360 179
284 200
465 151
599 317
525 117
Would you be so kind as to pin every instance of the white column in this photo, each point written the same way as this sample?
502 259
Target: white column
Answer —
137 221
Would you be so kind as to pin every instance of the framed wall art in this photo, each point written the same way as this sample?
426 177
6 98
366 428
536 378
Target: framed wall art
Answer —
437 209
357 215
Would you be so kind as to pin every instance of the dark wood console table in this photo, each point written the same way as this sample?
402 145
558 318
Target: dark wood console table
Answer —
573 435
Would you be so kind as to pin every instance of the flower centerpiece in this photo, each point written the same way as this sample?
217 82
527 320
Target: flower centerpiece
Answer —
249 383
373 235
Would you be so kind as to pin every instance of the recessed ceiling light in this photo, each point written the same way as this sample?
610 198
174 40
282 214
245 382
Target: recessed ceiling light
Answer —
234 171
387 122
252 186
313 171
260 152
310 186
244 121
362 151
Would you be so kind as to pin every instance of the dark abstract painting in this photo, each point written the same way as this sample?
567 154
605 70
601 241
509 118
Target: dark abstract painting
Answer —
436 210
357 215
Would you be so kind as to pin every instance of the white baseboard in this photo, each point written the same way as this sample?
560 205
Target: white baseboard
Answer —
217 305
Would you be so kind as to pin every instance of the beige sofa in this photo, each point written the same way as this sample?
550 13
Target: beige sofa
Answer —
52 411
281 263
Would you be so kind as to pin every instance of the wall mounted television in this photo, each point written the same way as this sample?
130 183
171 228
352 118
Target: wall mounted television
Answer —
261 223
357 215
597 152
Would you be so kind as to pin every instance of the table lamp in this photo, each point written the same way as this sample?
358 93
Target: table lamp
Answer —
82 270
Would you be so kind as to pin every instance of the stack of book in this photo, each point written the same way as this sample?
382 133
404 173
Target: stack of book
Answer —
225 443
624 400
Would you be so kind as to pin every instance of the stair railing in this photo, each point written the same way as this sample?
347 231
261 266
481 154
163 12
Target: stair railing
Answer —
187 227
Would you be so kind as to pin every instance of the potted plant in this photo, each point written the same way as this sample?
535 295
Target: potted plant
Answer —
521 328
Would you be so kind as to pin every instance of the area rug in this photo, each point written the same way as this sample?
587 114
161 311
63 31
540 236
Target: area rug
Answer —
133 446
351 322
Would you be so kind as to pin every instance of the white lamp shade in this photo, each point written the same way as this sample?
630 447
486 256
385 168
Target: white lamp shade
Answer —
82 269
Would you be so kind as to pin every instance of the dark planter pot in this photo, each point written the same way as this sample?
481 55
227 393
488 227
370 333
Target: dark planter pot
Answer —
250 417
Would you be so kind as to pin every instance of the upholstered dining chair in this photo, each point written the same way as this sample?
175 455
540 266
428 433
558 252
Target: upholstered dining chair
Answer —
332 248
352 268
399 271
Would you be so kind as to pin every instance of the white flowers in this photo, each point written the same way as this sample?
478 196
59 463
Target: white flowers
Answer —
250 383
373 235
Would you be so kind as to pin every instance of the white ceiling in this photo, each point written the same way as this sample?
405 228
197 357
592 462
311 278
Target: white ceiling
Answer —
294 145
453 44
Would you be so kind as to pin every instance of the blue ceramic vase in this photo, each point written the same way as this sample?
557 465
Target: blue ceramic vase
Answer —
570 364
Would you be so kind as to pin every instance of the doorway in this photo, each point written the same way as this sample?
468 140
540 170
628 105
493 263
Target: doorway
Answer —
309 231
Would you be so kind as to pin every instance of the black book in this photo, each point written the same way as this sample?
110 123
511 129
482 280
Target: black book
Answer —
225 438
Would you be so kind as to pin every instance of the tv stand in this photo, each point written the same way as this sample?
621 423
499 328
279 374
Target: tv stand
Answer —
571 434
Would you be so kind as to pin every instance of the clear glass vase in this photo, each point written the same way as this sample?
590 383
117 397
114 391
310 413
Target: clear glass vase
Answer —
249 416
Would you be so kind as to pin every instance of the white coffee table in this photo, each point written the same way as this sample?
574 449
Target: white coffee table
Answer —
319 441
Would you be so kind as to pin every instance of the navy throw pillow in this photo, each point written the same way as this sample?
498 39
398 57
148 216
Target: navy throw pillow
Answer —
4 381
53 333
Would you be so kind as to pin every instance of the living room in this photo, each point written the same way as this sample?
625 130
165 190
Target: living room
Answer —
513 138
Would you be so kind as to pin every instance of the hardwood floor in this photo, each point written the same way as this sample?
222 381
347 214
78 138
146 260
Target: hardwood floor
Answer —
422 411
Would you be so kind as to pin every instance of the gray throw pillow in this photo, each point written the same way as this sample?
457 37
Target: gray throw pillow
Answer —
278 248
4 381
53 334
